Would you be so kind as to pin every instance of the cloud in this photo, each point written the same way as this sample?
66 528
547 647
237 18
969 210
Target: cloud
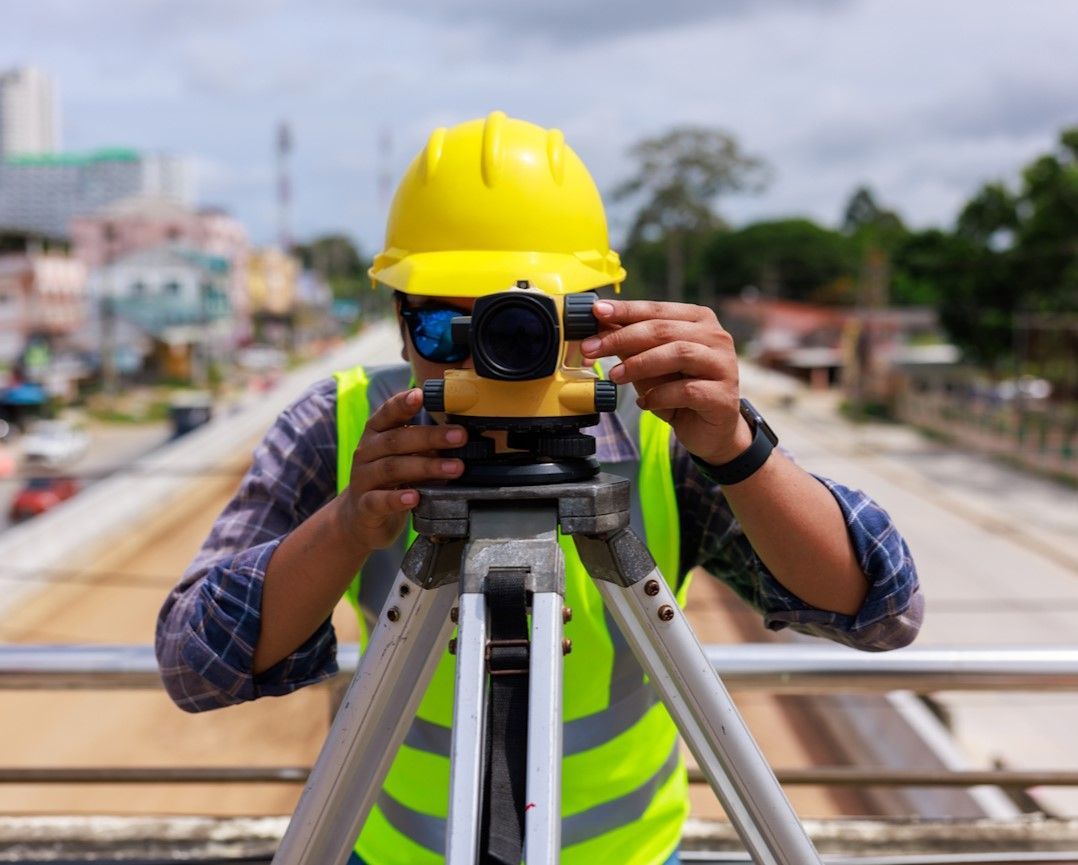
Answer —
573 22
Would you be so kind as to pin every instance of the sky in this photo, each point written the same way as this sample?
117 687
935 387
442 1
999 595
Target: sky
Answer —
921 100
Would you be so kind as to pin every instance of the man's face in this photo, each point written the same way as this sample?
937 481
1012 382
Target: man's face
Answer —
422 368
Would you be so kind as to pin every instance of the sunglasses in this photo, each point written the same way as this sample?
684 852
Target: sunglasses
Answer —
431 330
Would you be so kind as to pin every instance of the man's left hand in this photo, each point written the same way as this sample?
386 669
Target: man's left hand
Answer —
683 366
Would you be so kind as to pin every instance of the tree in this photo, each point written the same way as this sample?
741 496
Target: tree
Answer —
678 177
790 258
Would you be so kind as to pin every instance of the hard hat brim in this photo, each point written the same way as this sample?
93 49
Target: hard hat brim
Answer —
474 274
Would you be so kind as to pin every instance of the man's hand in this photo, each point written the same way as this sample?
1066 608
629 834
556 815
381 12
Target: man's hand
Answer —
683 366
392 456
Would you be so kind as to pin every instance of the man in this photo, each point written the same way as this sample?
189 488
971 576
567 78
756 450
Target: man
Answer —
488 203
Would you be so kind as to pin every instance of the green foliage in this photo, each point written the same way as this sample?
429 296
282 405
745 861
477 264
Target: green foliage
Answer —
789 258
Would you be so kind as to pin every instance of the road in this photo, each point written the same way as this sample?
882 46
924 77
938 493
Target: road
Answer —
112 446
997 554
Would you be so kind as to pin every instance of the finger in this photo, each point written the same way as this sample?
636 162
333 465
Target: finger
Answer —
396 411
696 394
688 359
404 440
646 384
397 471
376 505
638 337
631 311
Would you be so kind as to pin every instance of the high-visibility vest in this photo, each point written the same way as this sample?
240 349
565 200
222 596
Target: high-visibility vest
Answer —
624 785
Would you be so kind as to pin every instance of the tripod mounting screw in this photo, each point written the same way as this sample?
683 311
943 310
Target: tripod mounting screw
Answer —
666 613
566 646
651 588
393 615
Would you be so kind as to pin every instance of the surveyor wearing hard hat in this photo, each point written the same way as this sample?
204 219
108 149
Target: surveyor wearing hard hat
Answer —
484 205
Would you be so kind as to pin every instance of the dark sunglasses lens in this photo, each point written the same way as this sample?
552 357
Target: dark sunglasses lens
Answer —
432 335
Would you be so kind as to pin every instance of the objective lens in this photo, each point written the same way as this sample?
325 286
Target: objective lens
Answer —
516 338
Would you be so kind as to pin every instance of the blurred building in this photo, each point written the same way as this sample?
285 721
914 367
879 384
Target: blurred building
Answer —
143 223
29 119
42 295
163 311
272 284
825 345
42 193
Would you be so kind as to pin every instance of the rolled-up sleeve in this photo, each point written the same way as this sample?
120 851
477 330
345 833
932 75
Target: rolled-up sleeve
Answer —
891 614
210 623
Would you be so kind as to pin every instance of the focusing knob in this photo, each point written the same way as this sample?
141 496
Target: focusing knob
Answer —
606 395
568 445
434 394
580 322
478 447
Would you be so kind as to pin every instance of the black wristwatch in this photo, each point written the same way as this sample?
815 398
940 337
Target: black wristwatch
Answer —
755 455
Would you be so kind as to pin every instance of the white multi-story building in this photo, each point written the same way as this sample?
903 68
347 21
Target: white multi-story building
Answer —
29 116
43 193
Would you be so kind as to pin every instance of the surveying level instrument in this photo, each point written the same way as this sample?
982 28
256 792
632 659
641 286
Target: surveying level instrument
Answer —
522 383
474 542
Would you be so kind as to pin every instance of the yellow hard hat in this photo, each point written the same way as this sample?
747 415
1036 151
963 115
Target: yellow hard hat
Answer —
491 202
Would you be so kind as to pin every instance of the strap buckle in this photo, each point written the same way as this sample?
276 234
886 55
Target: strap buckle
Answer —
508 657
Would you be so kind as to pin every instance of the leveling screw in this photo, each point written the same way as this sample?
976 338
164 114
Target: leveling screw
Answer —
651 587
666 613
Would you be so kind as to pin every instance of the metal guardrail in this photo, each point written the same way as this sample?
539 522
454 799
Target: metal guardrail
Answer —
782 668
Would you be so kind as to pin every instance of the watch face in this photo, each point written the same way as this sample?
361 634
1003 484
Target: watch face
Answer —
757 422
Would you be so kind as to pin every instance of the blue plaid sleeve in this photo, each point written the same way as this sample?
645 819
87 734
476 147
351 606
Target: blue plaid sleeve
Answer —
891 614
209 624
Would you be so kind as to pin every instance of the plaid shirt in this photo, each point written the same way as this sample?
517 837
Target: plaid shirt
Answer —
208 626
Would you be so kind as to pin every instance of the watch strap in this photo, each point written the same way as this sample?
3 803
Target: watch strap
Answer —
745 464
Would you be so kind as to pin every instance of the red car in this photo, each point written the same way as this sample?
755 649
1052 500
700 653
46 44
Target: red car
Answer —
40 494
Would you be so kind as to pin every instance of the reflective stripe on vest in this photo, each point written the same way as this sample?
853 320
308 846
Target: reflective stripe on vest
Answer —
624 786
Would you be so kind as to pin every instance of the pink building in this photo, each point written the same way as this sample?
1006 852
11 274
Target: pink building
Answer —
135 224
41 294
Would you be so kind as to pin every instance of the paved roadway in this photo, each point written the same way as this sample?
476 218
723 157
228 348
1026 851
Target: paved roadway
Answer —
112 447
997 553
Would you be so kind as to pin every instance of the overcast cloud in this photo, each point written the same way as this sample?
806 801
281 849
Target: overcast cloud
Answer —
924 101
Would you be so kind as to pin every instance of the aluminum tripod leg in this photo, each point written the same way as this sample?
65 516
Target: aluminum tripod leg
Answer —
520 538
645 609
374 716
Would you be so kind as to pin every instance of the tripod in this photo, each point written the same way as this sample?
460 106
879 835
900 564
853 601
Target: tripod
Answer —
468 538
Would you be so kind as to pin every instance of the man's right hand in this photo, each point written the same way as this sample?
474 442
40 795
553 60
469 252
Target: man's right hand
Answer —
392 456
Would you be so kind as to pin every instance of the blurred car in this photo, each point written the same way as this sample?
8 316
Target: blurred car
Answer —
41 494
53 443
188 410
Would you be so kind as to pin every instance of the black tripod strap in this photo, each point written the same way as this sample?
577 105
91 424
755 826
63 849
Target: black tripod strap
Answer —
502 837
